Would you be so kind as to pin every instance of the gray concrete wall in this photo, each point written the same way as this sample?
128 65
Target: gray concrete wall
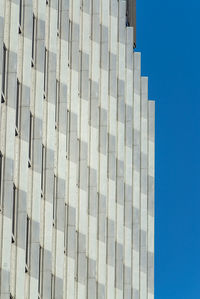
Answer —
77 171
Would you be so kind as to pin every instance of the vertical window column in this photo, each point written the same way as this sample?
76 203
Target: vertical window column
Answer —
17 115
33 41
40 272
68 134
69 43
14 213
45 72
57 105
20 15
4 74
52 286
54 199
43 170
1 179
27 244
30 140
58 19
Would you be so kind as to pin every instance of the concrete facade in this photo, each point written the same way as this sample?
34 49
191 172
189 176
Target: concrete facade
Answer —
76 153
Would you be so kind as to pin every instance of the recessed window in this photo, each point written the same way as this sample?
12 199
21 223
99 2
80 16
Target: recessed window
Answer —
58 19
33 41
52 286
14 213
45 72
30 139
40 271
54 199
43 170
27 243
57 104
1 178
68 134
4 74
20 15
17 115
69 43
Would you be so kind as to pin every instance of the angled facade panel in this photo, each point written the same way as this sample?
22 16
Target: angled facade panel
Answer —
77 135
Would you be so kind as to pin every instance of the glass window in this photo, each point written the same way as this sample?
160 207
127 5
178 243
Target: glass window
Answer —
14 213
20 15
57 104
1 176
52 286
17 116
33 40
45 72
54 199
40 270
43 169
4 66
30 139
58 19
27 243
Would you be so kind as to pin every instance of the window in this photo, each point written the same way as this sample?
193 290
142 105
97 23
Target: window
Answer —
58 19
1 176
54 198
57 104
52 286
20 15
27 243
40 271
69 43
30 140
33 41
65 228
68 134
17 109
43 169
45 72
14 213
4 67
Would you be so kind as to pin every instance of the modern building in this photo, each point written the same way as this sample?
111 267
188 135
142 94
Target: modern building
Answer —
76 153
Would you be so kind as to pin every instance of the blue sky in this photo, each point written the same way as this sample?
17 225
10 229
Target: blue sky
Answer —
168 35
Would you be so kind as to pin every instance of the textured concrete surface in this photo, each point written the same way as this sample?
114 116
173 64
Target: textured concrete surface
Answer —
77 153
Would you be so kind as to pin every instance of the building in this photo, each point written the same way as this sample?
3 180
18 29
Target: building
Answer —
76 153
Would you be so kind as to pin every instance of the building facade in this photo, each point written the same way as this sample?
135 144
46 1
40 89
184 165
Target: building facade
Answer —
76 153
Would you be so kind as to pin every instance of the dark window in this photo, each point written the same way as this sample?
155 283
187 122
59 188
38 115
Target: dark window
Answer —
33 40
69 43
45 72
58 19
27 242
1 176
4 66
20 15
17 107
57 104
40 271
43 169
14 213
54 198
30 139
52 286
68 134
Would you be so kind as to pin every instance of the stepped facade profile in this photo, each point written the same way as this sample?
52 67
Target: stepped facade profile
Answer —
76 152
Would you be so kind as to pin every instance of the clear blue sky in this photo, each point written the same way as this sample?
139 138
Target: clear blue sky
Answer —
168 35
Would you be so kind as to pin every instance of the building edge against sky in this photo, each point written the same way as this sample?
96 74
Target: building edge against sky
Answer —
76 153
